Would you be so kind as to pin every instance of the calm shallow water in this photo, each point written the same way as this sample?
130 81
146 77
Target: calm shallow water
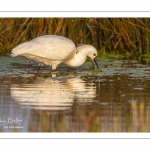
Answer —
74 100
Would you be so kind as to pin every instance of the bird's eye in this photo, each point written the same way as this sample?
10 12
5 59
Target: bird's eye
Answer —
94 54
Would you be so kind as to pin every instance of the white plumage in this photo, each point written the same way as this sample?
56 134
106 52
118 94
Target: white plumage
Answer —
53 50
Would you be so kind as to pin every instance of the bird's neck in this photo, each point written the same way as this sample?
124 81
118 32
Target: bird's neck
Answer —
77 60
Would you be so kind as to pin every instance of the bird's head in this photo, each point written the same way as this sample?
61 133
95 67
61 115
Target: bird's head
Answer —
89 51
92 54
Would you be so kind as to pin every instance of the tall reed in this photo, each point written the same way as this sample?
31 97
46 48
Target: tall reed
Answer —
119 35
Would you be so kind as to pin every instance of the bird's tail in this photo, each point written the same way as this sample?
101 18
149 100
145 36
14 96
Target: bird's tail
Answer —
12 54
20 49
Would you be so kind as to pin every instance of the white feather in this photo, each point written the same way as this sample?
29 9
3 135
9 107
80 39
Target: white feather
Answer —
53 50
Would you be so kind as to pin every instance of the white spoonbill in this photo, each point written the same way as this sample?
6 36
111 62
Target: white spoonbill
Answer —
53 50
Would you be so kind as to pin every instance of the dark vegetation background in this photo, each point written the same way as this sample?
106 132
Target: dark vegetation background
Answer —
110 35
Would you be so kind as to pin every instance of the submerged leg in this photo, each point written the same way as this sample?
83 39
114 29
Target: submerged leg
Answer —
39 66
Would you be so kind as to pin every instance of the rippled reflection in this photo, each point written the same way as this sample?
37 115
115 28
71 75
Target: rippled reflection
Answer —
114 100
86 104
48 94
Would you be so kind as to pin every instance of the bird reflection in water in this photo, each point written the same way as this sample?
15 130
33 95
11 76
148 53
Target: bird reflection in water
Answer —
48 94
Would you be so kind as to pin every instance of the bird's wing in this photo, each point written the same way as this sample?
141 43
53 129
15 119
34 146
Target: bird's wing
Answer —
50 47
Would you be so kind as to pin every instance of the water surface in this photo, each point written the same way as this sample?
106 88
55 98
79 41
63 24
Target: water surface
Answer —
116 99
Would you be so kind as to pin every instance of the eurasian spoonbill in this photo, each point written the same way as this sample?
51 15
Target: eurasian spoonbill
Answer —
53 50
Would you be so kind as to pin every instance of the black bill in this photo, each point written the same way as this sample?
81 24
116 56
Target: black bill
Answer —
95 60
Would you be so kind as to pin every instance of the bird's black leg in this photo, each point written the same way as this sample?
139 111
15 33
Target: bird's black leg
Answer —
40 66
38 70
